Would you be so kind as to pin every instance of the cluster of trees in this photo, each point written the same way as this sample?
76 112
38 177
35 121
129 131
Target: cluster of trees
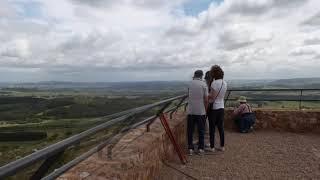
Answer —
22 136
20 109
34 109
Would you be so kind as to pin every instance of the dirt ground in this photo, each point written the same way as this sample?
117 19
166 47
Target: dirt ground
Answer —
257 155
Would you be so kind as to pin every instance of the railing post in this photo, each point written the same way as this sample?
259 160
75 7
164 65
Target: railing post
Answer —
300 99
225 102
176 146
45 166
178 105
113 140
159 112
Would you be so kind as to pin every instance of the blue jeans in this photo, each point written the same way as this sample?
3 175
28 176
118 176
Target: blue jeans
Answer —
192 121
245 121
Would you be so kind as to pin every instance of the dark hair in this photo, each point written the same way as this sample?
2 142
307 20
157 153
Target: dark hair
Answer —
216 72
198 74
208 78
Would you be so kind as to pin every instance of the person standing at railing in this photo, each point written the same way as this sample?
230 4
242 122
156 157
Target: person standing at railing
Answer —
216 112
243 116
198 101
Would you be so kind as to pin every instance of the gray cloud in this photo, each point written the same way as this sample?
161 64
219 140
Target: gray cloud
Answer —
289 3
313 21
236 38
97 3
256 8
148 4
253 8
312 41
227 42
302 51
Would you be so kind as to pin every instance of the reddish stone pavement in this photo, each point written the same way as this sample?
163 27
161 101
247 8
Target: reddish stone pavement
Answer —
257 155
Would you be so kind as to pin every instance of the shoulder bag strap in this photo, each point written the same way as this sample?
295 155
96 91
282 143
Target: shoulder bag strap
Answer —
218 92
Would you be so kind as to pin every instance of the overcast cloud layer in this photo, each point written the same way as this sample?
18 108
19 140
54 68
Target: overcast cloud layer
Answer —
130 40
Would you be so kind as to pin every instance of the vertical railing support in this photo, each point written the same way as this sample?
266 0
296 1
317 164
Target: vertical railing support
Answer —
45 166
300 99
159 112
175 144
178 105
113 140
185 107
225 102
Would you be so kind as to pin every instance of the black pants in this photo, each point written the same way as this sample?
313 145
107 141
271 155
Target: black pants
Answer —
192 121
216 118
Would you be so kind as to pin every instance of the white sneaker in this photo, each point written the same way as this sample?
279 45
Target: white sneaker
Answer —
211 149
222 149
201 152
190 152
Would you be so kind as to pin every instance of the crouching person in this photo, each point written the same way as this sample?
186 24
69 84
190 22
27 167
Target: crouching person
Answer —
243 115
198 100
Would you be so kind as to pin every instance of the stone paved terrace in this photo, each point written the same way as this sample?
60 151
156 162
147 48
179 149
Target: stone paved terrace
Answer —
285 145
257 155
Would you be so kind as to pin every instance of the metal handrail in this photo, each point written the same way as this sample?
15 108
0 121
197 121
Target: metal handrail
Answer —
16 166
299 99
69 165
276 89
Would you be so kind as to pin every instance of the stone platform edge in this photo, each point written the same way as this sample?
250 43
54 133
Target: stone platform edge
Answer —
138 155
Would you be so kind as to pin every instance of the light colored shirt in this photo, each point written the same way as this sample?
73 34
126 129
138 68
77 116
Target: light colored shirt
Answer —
242 109
198 91
218 101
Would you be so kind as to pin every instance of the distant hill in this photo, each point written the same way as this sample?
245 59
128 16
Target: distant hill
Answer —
248 83
296 83
100 86
176 86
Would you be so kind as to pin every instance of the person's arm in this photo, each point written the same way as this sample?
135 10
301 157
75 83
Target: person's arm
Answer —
205 98
206 102
213 92
188 92
238 110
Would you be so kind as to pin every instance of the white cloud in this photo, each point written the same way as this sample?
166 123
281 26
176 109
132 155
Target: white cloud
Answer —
18 48
257 38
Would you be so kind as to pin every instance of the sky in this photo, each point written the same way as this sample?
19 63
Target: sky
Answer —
144 40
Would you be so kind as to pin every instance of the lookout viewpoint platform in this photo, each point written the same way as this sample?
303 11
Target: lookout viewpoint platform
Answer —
258 155
285 145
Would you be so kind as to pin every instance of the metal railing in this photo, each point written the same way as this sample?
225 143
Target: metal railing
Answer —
51 154
298 98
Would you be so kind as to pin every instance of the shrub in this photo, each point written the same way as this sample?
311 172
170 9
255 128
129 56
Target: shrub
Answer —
22 136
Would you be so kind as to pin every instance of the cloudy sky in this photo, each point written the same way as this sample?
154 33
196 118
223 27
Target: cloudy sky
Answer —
138 40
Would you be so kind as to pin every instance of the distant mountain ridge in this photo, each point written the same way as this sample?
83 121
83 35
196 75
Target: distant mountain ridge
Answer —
165 85
297 83
123 86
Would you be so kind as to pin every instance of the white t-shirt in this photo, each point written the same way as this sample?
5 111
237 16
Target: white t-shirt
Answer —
198 90
215 86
